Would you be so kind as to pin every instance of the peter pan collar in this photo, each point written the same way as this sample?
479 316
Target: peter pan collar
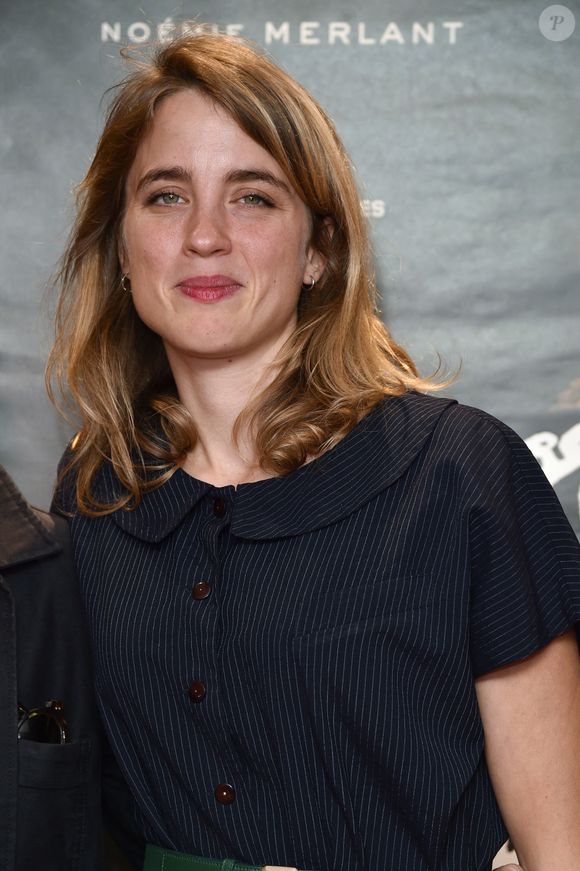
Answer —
371 457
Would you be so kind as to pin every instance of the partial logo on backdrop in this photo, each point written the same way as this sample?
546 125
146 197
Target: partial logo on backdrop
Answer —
559 453
337 33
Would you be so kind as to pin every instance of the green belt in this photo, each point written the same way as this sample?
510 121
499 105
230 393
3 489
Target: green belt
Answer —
158 859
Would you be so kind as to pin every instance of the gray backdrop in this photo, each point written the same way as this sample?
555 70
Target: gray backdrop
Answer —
463 122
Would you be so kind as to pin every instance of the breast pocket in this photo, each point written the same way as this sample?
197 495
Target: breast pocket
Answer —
368 647
357 606
53 783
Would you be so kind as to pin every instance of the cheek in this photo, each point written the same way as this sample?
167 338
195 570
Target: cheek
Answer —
149 249
279 254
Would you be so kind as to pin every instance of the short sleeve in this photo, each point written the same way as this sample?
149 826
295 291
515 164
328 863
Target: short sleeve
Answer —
524 554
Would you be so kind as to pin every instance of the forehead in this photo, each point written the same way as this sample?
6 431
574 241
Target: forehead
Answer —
190 129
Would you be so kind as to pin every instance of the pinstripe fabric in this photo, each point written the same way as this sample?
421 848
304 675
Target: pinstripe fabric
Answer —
352 602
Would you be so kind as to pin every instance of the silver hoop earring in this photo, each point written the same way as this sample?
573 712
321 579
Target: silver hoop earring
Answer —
309 286
124 283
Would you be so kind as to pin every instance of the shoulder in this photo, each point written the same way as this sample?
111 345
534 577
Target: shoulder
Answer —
490 444
445 412
456 423
104 486
54 525
26 534
470 442
64 496
435 437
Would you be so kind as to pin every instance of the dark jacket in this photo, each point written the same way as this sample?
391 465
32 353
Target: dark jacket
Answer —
50 807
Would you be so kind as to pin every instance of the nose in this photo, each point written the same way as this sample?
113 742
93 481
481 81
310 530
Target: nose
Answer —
206 232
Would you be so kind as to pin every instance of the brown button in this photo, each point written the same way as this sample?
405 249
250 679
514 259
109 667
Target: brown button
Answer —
219 506
224 793
197 691
201 590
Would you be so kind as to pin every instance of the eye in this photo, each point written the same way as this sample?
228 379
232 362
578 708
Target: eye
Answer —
256 200
165 198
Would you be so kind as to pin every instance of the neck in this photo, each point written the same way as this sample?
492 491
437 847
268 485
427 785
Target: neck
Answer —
215 392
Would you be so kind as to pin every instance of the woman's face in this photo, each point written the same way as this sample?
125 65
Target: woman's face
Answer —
214 239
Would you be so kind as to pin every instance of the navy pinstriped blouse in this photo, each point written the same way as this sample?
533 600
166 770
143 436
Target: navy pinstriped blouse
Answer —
285 670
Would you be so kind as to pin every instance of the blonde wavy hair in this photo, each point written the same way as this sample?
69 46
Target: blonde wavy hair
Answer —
113 370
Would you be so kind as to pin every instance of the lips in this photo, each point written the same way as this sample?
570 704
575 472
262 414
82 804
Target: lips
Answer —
209 288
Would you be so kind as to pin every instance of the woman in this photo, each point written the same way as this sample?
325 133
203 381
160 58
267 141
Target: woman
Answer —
313 590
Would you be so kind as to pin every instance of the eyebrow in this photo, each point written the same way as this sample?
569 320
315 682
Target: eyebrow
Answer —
243 175
163 173
179 173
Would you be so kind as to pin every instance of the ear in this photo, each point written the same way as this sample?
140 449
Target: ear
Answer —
314 267
315 261
122 253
